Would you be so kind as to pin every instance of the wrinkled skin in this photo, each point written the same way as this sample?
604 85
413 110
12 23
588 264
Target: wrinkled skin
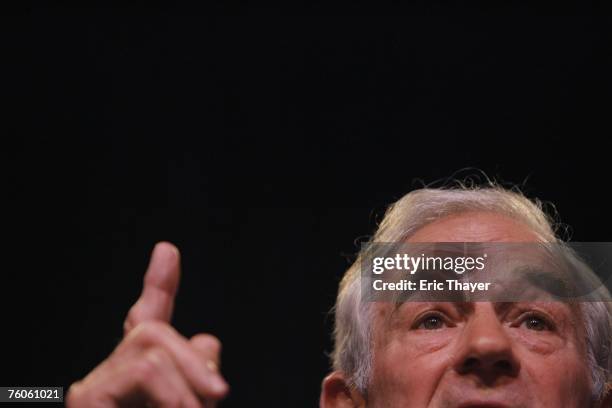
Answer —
480 354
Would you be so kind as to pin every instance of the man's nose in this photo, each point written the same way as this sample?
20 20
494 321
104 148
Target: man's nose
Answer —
485 349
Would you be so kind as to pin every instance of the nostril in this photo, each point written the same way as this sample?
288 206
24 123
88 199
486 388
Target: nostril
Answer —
504 366
473 364
470 363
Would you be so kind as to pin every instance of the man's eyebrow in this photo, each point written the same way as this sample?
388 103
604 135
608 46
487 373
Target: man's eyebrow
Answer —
520 283
502 307
437 296
544 279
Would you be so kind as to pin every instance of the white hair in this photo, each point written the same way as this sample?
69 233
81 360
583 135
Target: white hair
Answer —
352 333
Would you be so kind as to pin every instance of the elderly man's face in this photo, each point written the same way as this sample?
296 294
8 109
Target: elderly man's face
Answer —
478 354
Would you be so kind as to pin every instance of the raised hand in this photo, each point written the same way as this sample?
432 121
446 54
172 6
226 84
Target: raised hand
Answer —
154 365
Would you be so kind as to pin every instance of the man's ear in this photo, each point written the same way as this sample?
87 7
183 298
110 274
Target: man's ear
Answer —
337 393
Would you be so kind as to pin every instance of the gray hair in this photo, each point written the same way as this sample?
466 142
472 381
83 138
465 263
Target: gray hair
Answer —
352 333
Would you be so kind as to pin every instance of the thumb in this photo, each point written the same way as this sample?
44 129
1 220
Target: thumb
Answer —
161 280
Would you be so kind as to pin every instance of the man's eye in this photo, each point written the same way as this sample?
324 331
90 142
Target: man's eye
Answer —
432 322
536 323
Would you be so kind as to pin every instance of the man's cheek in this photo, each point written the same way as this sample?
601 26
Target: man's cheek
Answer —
551 381
403 378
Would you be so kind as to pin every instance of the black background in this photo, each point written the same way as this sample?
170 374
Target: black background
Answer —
266 147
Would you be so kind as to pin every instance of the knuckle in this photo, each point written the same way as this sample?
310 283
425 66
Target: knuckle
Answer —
144 371
74 395
149 331
133 315
127 325
150 365
207 341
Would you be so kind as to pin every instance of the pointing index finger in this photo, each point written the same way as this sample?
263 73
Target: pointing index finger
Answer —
161 282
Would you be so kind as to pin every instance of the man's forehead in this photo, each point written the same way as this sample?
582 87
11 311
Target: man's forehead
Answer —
471 271
475 226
